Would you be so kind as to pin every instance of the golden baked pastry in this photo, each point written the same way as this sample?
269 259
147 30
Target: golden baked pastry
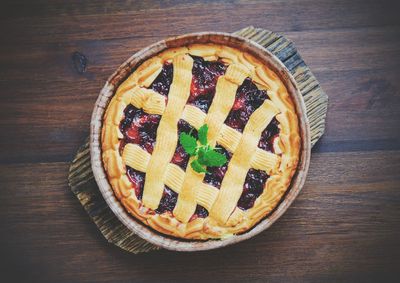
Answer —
251 120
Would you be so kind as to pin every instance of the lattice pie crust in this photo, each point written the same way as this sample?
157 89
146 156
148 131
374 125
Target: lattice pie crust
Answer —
225 218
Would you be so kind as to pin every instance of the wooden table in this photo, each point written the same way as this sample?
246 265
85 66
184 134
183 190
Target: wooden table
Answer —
344 226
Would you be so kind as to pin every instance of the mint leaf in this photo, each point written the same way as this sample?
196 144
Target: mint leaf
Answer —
197 166
214 158
202 155
205 155
203 131
189 143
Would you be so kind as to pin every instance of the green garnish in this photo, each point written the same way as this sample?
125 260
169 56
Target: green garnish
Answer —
196 166
189 143
203 131
204 154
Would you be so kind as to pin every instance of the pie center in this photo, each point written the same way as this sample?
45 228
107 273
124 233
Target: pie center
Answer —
140 128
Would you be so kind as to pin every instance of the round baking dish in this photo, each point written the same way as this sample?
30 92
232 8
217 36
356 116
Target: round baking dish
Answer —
126 69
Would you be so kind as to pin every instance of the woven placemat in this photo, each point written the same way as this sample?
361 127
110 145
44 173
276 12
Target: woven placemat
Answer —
81 178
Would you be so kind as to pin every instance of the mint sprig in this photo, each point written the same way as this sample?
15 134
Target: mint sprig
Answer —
189 143
196 166
204 154
203 131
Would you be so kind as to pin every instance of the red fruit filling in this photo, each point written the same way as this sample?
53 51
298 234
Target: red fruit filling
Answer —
268 136
140 128
253 188
137 179
164 80
248 99
200 212
168 201
204 79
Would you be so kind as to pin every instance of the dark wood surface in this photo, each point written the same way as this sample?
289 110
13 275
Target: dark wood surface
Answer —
345 224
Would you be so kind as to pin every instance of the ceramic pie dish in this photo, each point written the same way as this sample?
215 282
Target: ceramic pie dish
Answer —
200 141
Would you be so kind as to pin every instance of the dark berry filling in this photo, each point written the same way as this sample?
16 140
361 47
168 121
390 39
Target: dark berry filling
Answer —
137 179
253 188
205 76
140 128
181 158
215 175
164 80
168 201
248 99
268 136
200 212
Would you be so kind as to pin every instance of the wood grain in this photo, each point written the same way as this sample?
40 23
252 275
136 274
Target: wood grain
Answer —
345 225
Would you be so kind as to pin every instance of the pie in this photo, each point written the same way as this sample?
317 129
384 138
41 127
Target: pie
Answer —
251 120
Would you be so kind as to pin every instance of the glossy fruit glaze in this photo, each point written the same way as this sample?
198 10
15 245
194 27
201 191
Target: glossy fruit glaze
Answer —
205 75
268 136
137 179
139 127
253 188
168 201
248 99
164 80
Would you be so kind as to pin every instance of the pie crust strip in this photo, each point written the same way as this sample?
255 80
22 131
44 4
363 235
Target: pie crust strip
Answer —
222 103
167 137
241 162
